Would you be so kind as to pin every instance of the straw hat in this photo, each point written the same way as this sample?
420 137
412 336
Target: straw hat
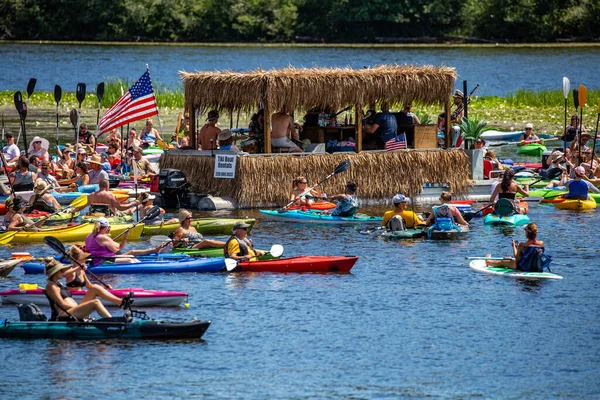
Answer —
556 155
53 267
40 187
95 159
224 135
68 148
528 126
183 214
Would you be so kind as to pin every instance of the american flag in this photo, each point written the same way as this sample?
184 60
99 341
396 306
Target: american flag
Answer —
396 143
137 103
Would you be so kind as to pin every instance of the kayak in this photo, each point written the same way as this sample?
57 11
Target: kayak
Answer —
104 328
6 266
205 226
301 264
317 217
451 234
123 219
405 234
531 149
153 150
147 266
65 198
142 297
60 218
76 233
480 266
501 136
514 220
210 252
575 204
3 209
315 206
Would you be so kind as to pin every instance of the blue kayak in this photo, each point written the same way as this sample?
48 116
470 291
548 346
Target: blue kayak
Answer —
318 217
187 264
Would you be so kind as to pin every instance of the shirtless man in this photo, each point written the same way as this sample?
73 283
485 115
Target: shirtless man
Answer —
281 124
209 132
105 202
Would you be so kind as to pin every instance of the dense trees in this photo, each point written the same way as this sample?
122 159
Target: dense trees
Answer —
298 20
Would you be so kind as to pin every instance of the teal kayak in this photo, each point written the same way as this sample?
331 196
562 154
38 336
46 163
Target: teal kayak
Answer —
317 217
531 149
514 220
104 328
405 234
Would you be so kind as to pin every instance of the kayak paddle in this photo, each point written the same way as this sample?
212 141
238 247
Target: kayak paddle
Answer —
566 90
22 110
57 97
74 204
99 95
582 95
57 246
276 251
594 146
150 214
468 216
344 165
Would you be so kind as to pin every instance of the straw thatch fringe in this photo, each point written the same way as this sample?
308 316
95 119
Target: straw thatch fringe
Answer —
268 180
318 87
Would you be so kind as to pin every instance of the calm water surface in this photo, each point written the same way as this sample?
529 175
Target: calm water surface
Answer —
498 71
411 320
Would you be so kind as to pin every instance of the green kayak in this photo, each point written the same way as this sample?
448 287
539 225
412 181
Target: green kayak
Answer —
212 252
153 150
531 149
405 234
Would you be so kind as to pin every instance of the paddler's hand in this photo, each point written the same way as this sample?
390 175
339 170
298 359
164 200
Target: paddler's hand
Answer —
260 253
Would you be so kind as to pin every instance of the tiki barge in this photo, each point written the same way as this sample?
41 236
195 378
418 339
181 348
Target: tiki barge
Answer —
239 180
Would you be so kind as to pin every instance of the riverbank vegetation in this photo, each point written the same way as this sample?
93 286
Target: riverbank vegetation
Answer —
330 21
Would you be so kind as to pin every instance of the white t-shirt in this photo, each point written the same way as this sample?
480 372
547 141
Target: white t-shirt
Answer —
11 152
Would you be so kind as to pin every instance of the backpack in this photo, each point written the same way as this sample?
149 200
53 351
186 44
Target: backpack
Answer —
445 224
533 259
396 223
31 312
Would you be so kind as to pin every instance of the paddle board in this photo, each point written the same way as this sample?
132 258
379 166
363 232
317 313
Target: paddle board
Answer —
479 266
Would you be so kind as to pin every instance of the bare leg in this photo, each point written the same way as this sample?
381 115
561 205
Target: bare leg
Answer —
506 263
98 291
208 243
84 310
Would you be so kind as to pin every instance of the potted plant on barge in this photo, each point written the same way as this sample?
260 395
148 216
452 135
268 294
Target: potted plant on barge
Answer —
471 129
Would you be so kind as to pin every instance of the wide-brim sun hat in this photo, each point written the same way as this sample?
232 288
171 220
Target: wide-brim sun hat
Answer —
56 268
40 187
224 135
45 143
95 159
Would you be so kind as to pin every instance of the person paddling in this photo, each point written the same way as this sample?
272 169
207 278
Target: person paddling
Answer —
348 201
446 210
508 189
19 221
298 187
408 218
187 236
524 254
239 246
579 188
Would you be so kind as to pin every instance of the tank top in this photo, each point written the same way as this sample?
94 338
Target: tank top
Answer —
96 250
23 179
64 293
148 136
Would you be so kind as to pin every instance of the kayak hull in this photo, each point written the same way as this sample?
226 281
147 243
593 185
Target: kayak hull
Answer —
575 205
211 252
317 217
6 266
316 206
301 264
146 266
142 298
480 266
511 220
497 136
452 234
405 234
205 226
102 329
76 233
532 149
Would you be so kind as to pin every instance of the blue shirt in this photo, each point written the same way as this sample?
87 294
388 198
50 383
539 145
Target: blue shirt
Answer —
388 127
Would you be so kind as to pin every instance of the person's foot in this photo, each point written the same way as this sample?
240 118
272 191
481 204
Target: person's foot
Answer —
127 301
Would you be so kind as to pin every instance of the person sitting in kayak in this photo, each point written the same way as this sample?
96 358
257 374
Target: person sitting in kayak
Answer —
101 247
348 201
299 185
188 237
239 246
573 129
146 203
579 188
446 210
409 219
508 189
22 179
19 221
580 141
41 199
105 203
8 204
525 255
528 136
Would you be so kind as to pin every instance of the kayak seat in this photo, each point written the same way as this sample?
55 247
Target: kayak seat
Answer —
31 312
504 207
124 319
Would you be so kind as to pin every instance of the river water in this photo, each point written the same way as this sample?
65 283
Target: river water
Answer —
411 320
497 70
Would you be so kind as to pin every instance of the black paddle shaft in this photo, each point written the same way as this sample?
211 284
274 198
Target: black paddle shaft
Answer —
22 110
150 214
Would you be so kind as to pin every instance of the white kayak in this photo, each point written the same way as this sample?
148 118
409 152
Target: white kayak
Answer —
497 136
480 266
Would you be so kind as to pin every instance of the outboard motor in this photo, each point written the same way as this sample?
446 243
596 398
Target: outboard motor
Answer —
173 188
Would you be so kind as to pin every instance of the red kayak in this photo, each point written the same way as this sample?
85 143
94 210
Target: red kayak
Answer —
3 209
315 206
301 264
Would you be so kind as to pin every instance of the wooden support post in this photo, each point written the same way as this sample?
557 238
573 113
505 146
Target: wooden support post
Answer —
193 139
358 121
448 128
267 124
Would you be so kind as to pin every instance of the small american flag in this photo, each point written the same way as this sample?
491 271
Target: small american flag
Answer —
137 103
396 143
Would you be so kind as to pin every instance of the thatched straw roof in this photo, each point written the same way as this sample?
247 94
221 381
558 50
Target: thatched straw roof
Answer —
307 88
264 181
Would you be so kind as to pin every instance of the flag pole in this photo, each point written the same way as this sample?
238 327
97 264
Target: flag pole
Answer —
158 115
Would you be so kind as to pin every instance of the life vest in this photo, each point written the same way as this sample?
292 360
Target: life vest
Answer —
578 189
245 245
346 207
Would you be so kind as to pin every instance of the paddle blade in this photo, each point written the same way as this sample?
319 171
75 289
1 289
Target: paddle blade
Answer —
159 239
553 173
230 264
31 86
100 91
582 95
276 250
57 94
7 237
576 98
342 167
566 87
81 201
19 102
73 117
152 213
55 244
598 106
80 92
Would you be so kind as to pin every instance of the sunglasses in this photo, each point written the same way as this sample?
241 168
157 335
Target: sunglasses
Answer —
303 183
244 229
528 129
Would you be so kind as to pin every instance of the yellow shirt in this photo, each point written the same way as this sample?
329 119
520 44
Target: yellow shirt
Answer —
410 218
234 248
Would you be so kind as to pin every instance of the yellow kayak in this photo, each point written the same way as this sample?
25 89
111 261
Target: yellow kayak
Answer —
76 233
61 218
575 204
205 226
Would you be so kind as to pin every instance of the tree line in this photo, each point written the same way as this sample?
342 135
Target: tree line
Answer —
300 20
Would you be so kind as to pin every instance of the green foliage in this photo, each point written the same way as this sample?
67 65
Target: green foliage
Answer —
472 128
